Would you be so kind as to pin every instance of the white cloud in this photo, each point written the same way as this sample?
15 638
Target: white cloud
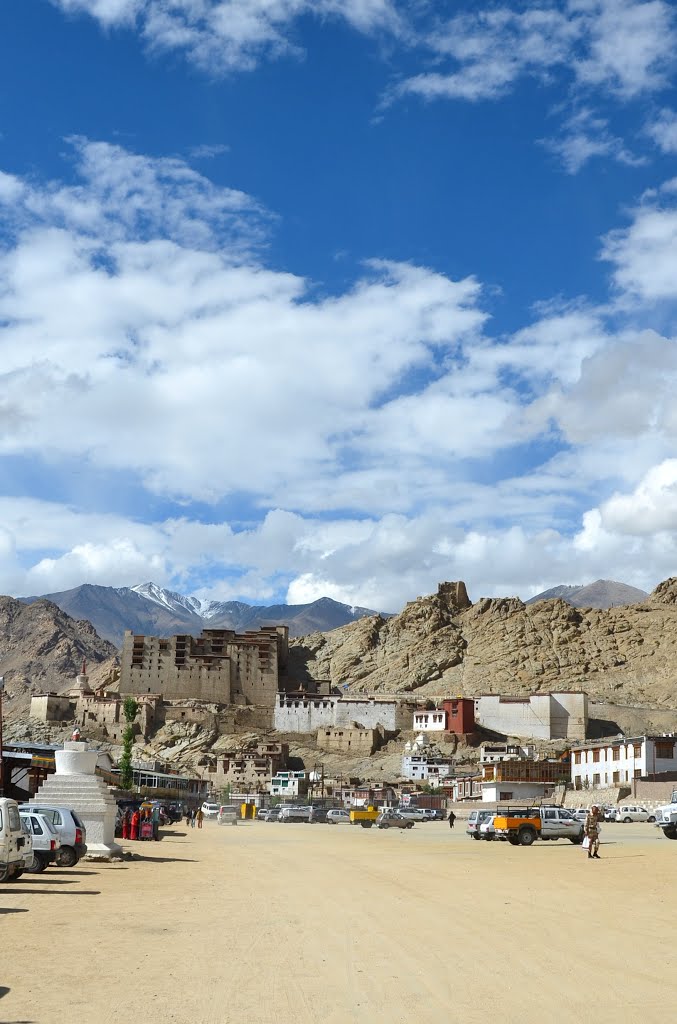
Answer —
663 130
650 509
231 35
159 345
585 136
625 47
644 254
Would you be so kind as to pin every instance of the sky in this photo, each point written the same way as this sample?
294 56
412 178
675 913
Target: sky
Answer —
305 298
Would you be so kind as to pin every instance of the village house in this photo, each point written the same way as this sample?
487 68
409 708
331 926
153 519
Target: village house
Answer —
464 787
523 779
289 785
601 763
455 714
248 769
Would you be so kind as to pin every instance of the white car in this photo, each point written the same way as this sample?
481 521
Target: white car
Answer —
487 829
630 812
228 815
337 816
210 810
580 813
46 842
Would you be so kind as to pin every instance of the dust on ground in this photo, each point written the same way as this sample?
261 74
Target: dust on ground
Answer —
317 924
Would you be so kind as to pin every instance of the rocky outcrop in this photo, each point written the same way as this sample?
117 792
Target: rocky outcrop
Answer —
444 644
42 648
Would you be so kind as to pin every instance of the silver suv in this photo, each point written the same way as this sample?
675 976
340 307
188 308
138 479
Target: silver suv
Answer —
72 832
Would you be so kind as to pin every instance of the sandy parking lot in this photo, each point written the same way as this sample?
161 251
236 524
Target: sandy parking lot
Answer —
293 924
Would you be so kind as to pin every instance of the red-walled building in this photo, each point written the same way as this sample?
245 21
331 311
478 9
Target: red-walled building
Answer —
460 714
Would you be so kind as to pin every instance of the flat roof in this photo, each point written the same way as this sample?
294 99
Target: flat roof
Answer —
612 741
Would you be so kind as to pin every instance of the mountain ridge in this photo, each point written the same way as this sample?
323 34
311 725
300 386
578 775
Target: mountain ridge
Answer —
599 594
153 610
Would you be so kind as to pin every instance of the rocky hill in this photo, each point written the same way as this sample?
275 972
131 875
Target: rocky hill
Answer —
600 594
42 648
444 644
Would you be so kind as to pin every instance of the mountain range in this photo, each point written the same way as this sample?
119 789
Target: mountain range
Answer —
150 609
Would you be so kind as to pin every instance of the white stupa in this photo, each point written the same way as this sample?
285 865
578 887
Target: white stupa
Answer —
75 785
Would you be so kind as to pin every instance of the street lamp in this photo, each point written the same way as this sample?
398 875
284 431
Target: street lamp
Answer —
2 761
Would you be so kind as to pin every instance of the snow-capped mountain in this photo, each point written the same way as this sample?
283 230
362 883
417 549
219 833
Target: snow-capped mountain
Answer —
155 611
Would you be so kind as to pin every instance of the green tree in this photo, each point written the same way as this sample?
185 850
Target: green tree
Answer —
130 709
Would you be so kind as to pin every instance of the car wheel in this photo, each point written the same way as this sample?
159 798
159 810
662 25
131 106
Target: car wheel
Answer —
513 840
526 837
17 874
669 833
67 857
385 825
409 824
38 864
475 836
627 821
651 818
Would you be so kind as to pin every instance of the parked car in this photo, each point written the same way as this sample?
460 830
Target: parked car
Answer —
439 814
210 810
413 813
337 816
228 814
580 813
72 832
27 848
12 841
45 837
475 819
487 830
273 814
262 813
609 813
290 812
319 815
630 812
394 819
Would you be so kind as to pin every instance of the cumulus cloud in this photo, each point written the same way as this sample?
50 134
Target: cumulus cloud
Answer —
644 254
380 438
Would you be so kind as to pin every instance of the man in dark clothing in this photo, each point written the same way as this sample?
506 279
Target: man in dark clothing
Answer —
452 819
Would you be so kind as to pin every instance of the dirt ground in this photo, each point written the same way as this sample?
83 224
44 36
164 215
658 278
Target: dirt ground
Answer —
314 924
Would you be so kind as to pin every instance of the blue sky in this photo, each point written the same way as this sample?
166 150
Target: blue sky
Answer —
340 297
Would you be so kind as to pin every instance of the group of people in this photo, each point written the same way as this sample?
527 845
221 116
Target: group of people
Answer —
194 817
135 818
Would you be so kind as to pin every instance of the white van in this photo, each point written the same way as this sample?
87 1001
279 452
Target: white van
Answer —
291 813
210 810
46 842
12 841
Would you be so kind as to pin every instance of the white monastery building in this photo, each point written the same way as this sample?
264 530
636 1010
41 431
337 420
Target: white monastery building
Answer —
542 716
614 762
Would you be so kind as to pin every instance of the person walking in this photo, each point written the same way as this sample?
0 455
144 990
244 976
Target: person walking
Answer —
452 819
591 829
199 817
192 818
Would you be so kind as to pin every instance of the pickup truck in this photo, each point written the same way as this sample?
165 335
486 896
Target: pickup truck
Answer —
666 817
522 826
364 816
12 841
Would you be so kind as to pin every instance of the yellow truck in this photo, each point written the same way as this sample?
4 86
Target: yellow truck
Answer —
364 816
522 826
